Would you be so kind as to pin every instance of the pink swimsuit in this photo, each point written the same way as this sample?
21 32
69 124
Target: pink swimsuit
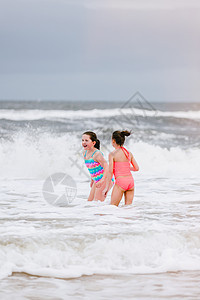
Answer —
122 168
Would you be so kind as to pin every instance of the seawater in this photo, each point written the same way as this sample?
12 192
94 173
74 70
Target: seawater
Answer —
149 250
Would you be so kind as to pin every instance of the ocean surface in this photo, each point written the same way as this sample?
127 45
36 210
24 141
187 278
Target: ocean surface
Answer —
92 250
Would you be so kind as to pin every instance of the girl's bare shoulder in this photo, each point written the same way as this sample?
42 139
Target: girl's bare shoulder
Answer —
129 152
99 156
113 153
97 153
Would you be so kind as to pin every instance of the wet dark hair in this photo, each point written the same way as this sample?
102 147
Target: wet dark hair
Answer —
93 138
119 136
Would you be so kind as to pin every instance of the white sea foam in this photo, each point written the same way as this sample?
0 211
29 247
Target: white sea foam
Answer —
158 233
68 253
39 155
29 115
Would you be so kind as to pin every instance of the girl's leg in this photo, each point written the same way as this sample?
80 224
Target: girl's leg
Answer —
92 192
116 195
99 192
128 195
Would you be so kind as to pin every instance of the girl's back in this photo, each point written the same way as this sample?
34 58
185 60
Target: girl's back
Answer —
121 162
121 155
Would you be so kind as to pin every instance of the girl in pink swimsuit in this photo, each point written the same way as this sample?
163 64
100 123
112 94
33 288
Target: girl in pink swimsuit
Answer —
120 161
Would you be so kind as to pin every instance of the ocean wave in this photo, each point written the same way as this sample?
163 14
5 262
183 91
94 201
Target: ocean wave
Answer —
37 155
70 257
30 115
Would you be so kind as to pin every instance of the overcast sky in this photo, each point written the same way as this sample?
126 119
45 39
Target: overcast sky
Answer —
100 49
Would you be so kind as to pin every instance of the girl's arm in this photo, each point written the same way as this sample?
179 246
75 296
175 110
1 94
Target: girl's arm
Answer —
135 166
110 174
91 182
100 159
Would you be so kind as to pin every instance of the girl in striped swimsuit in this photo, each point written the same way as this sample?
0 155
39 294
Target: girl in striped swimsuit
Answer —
96 165
120 161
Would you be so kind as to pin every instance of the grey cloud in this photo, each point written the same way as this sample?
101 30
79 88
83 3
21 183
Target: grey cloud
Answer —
67 41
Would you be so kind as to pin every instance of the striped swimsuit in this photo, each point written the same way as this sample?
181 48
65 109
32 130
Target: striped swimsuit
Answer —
94 167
